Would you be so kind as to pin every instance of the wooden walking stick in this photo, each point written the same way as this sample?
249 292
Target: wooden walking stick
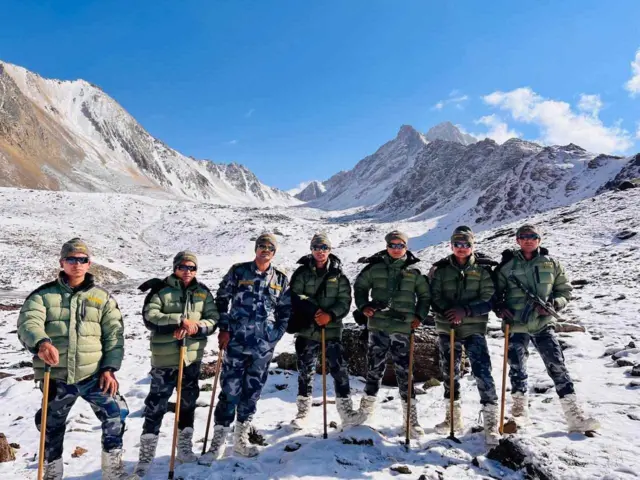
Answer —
43 419
504 377
452 371
213 399
324 383
409 389
183 348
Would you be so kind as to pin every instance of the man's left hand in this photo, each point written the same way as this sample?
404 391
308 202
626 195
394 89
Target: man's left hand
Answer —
415 323
322 318
108 383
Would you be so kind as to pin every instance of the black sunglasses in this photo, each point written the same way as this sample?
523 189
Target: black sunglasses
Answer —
269 248
529 236
318 248
396 246
74 260
187 268
461 244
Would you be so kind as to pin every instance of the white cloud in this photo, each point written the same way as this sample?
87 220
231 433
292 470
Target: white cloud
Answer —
232 142
498 130
633 85
454 98
590 104
638 132
249 113
559 124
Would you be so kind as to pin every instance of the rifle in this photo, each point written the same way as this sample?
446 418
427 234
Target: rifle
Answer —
533 299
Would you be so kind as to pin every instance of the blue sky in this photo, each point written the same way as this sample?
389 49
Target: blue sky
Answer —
298 90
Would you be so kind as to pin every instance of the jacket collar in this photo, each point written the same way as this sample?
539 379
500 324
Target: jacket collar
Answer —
334 264
89 282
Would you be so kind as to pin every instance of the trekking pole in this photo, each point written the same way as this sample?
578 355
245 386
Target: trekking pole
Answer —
43 419
183 348
504 377
324 383
452 340
213 399
409 389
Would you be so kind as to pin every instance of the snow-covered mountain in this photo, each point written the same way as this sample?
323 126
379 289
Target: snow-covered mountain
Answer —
312 191
449 132
374 177
70 135
480 182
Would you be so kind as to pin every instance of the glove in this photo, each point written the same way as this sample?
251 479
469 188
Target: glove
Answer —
506 315
455 315
223 340
542 310
322 318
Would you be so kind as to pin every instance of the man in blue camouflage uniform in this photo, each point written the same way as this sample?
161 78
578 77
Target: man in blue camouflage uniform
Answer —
249 331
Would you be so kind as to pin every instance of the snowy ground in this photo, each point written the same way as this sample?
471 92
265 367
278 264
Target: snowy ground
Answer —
137 237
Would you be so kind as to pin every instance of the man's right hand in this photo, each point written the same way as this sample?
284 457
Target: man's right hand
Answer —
223 340
505 314
368 312
48 354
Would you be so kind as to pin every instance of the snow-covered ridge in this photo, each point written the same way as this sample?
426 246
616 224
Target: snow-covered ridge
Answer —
70 135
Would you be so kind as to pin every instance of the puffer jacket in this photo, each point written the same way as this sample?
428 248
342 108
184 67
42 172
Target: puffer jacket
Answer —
83 323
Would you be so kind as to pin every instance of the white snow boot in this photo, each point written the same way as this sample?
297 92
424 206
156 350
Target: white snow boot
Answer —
53 470
520 409
415 430
148 445
112 467
490 416
576 419
241 443
304 408
217 446
367 407
445 427
348 416
185 446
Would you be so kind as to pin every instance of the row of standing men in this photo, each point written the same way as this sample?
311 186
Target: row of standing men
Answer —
76 327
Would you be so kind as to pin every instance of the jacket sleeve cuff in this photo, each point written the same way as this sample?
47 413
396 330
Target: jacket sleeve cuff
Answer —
107 369
37 346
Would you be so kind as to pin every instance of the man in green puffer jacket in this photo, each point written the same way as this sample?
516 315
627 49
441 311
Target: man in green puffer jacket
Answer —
461 292
176 307
395 298
75 326
321 298
544 276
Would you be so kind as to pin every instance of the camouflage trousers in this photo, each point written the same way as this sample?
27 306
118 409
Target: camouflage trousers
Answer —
244 372
163 382
111 411
397 344
549 349
307 351
478 353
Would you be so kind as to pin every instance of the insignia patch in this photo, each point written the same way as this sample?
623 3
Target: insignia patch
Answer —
245 282
275 286
95 300
200 295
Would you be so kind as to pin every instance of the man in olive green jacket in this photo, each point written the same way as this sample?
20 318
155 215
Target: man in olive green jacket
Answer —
75 326
320 299
395 298
461 292
531 268
177 307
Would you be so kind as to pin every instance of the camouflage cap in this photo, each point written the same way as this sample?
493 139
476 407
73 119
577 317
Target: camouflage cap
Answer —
75 245
396 235
463 233
527 227
321 238
184 256
267 237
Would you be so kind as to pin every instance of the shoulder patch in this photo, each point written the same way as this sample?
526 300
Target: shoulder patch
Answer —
333 280
202 295
93 299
